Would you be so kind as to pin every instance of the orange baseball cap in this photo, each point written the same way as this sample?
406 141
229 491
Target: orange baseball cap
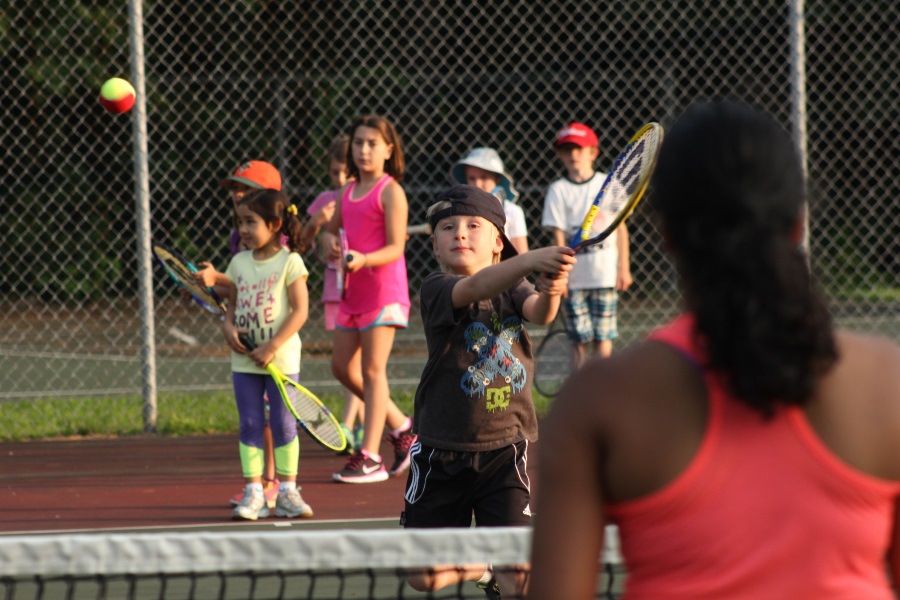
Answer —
256 174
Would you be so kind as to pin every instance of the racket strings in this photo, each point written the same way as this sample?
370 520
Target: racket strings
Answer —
631 172
315 417
555 361
179 271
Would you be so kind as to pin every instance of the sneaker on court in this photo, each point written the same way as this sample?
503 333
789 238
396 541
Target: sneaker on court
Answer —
270 490
401 443
489 584
290 504
491 591
351 442
251 507
361 468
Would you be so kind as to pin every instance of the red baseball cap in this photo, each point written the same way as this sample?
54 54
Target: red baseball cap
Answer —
578 134
256 174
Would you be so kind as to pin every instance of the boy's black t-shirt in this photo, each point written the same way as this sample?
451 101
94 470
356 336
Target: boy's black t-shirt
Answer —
475 392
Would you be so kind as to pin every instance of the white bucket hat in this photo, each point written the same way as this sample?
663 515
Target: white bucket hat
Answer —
489 160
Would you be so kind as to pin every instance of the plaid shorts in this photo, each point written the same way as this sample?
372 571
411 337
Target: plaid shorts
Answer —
591 315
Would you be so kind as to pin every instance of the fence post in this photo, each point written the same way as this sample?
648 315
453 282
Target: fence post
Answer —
142 216
798 94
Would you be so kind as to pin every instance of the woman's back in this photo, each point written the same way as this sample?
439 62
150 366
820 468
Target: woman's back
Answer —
749 450
655 403
714 499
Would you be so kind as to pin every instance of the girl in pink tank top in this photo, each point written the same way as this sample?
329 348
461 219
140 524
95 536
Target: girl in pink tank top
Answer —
372 212
749 449
320 212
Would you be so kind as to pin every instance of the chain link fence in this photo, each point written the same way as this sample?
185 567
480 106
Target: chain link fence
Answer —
254 79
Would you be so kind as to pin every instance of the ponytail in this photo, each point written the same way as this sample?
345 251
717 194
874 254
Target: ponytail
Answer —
765 327
291 228
729 189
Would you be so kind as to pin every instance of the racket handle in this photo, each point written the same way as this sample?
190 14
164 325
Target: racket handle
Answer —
246 341
423 228
348 258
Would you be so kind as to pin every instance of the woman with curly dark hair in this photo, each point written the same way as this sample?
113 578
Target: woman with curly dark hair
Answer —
747 449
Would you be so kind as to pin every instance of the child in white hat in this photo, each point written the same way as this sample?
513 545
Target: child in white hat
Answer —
483 168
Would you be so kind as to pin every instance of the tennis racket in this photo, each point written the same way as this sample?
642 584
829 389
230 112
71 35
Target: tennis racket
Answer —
555 359
181 271
622 189
312 416
343 277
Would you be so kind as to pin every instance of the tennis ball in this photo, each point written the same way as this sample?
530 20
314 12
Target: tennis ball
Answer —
117 95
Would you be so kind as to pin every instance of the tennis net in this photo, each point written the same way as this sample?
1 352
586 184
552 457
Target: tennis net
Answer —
244 565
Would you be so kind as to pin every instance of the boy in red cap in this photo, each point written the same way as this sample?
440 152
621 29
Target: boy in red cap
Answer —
602 269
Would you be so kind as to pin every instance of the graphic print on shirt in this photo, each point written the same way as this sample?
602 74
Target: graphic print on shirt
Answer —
257 307
497 373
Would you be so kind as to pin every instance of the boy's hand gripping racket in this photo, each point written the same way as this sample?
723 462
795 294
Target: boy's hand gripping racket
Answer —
623 188
312 416
181 271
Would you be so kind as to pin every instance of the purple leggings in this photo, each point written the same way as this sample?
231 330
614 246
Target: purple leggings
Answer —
250 389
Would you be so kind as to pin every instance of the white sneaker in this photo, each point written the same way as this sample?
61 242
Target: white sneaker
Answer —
251 507
290 504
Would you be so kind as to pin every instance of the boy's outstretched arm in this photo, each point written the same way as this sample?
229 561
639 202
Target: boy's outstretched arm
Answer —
493 280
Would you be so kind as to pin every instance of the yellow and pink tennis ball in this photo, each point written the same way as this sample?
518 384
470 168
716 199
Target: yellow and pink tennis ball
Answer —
117 95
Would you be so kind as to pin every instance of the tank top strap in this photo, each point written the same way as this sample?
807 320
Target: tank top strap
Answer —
377 189
681 335
348 192
375 192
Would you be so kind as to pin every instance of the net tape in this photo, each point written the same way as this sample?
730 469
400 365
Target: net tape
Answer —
130 557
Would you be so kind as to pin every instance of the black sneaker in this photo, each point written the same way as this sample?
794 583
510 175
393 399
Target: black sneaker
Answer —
402 444
361 468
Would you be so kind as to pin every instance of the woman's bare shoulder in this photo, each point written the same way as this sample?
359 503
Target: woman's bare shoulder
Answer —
643 379
856 409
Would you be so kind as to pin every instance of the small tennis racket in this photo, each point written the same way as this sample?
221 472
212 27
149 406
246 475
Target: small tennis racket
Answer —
555 359
623 188
312 416
181 271
343 277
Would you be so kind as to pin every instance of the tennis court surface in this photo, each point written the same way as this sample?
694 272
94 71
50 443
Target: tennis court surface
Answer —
148 517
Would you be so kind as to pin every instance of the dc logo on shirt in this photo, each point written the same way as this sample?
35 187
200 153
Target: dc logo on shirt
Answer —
494 359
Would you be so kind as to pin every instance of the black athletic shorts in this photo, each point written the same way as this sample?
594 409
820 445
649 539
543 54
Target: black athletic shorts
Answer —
447 488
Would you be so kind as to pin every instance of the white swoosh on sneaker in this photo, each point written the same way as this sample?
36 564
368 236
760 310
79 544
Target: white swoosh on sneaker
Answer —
369 470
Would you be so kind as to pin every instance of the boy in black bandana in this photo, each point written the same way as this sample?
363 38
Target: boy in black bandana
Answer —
473 409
